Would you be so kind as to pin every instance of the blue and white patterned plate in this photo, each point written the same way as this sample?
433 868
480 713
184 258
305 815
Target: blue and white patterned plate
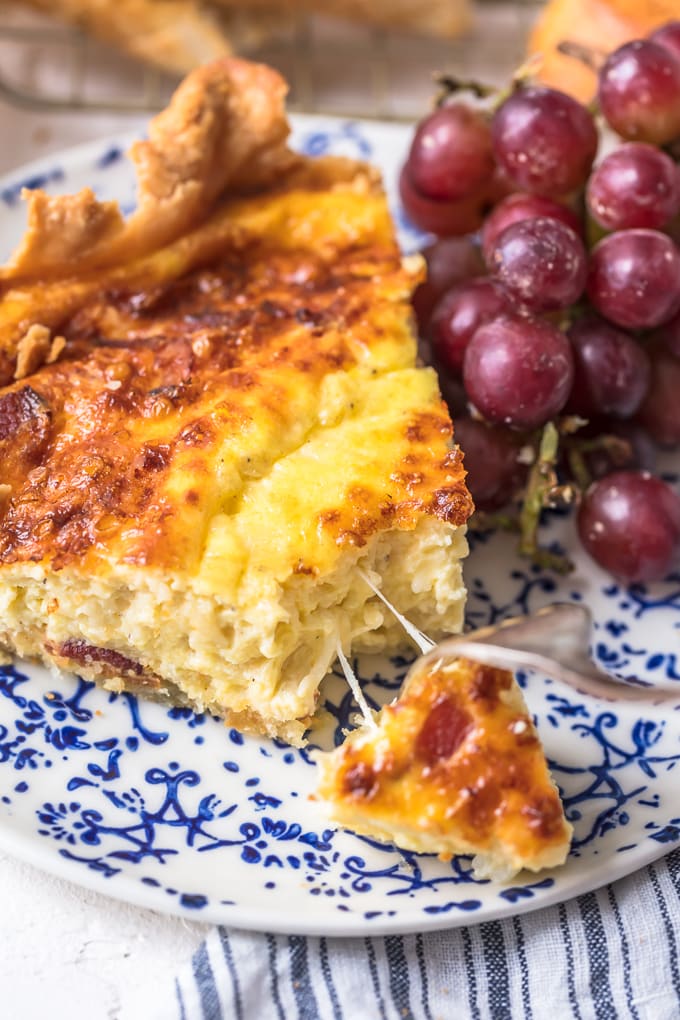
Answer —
172 811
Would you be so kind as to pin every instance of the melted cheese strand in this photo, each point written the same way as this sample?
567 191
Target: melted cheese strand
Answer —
353 682
423 642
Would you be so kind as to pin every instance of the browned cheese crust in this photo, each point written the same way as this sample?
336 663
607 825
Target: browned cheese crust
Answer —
187 362
155 371
456 766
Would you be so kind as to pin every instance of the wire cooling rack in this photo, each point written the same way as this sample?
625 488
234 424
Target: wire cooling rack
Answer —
332 67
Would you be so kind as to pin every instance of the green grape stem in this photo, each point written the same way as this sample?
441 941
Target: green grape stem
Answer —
483 521
543 491
592 58
576 450
448 86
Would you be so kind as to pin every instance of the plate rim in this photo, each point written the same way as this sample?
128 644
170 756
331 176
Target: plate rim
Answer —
346 925
129 890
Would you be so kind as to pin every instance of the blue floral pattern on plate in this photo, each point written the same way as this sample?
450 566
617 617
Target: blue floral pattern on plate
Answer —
171 810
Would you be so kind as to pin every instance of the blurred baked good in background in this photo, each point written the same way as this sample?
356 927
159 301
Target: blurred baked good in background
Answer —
173 34
483 39
178 34
600 25
338 54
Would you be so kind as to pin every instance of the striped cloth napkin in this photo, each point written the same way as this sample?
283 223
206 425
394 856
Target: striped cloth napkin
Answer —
606 955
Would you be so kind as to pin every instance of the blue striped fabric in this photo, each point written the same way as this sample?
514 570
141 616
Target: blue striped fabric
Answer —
606 955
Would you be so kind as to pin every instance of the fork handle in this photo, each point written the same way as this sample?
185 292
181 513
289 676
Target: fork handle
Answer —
597 686
564 629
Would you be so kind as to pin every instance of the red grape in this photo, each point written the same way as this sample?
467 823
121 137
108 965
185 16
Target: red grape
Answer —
450 260
668 36
518 371
458 316
639 92
544 140
500 187
542 263
522 206
446 219
634 278
494 473
643 450
451 153
454 394
670 334
660 410
637 451
629 522
611 370
637 185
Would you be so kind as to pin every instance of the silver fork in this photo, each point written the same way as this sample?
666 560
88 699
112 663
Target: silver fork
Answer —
553 641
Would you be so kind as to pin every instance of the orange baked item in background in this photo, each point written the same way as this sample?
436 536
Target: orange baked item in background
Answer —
600 25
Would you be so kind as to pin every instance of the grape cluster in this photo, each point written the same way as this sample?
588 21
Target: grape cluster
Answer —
551 308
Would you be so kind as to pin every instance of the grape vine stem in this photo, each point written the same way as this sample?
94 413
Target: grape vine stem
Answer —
543 491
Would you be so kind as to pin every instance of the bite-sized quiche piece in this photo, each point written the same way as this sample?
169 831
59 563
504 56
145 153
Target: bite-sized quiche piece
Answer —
212 422
453 766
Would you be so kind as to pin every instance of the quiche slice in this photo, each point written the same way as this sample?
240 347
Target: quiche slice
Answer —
212 426
453 766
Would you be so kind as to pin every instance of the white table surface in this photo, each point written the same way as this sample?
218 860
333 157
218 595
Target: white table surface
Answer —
71 953
68 952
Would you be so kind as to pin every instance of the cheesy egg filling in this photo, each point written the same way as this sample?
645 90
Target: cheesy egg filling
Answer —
213 426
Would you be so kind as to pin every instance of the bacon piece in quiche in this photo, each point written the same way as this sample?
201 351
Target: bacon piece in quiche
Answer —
454 766
212 425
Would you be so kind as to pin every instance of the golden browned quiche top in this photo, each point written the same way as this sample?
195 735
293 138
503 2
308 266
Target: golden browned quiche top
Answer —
212 422
190 357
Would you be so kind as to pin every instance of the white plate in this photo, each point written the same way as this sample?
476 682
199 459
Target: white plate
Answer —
172 811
